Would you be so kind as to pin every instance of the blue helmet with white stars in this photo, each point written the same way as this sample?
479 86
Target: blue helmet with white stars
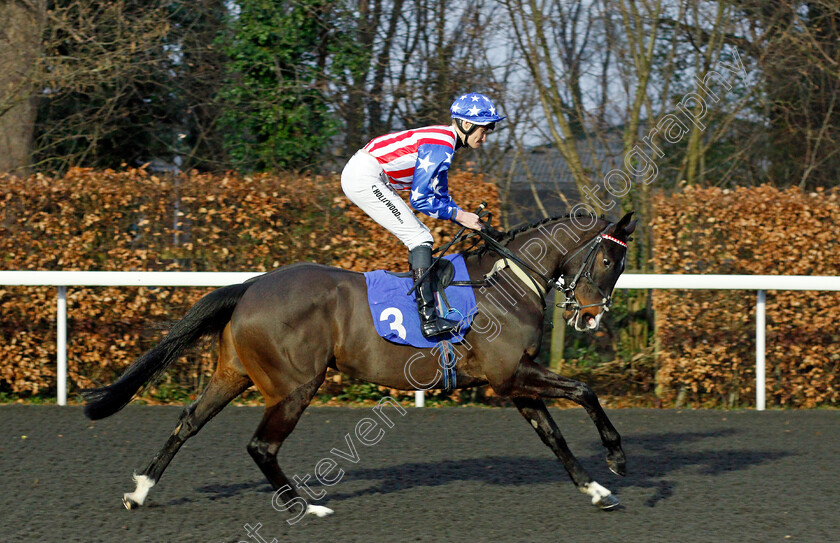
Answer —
475 108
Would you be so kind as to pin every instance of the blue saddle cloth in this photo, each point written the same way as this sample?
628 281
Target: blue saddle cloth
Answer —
395 313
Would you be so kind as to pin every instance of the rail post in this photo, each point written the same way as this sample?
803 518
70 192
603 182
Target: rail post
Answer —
61 345
760 322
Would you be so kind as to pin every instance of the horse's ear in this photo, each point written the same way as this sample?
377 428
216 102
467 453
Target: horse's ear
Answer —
625 226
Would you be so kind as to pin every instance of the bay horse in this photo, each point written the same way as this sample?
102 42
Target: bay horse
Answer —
281 331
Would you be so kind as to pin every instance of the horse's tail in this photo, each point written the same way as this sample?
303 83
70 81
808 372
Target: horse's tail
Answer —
209 315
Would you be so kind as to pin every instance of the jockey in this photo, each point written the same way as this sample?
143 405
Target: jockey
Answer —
417 160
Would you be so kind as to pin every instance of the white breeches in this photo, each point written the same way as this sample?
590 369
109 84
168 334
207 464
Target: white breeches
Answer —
364 182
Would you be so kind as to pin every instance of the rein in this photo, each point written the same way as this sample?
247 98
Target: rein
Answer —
507 254
567 288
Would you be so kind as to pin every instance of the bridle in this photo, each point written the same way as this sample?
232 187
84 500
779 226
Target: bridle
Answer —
567 288
585 272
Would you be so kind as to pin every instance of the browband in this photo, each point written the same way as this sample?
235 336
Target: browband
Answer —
607 236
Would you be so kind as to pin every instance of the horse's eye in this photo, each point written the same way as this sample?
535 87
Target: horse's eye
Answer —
607 262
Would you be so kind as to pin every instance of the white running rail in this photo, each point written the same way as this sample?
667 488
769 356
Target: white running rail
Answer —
64 279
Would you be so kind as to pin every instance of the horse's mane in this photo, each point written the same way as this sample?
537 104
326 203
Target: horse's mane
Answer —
509 236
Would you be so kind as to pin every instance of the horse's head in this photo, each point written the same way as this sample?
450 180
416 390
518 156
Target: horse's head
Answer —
591 272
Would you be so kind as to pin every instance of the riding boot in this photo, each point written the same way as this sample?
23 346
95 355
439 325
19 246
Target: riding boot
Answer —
420 259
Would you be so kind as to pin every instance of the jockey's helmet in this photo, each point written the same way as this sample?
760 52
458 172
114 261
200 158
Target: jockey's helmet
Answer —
476 109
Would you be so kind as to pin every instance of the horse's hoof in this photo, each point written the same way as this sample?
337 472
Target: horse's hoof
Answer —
608 502
619 468
601 497
129 503
617 463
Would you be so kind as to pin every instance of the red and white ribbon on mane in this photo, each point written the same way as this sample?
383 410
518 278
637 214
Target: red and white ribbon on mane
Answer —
606 236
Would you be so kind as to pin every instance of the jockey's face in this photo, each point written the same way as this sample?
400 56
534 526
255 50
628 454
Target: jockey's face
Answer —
479 136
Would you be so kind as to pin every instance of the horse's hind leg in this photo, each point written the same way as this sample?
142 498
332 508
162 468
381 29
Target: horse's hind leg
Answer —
228 381
278 422
535 412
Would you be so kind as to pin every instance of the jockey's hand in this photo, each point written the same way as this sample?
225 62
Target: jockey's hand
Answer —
470 220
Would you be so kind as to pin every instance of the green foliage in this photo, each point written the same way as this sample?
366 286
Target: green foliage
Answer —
359 391
33 399
275 115
169 391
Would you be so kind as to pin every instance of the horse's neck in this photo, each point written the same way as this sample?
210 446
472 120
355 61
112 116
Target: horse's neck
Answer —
545 246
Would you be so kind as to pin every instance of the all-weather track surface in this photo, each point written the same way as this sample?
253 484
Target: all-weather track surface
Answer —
454 474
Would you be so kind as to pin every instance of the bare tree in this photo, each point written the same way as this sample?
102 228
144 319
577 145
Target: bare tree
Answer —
100 67
400 63
543 32
20 49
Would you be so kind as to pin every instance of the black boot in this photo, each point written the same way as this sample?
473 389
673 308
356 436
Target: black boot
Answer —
419 259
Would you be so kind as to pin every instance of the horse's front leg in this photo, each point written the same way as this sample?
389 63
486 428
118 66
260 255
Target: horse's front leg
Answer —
533 380
535 412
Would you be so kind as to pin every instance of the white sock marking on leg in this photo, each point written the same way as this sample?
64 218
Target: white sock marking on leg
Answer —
318 510
596 491
143 485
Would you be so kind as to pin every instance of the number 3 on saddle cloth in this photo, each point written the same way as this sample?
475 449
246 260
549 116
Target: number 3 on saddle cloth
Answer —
395 313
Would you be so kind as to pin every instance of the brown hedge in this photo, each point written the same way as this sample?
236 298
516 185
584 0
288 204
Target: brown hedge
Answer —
133 220
707 338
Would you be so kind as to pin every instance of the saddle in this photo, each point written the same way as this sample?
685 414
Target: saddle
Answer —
394 312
